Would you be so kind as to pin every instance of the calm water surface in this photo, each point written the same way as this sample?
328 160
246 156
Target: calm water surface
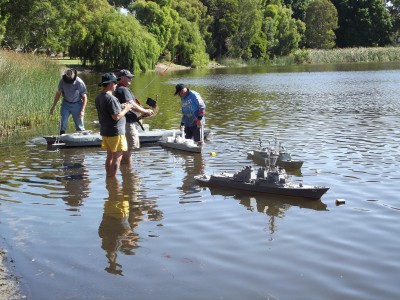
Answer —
153 233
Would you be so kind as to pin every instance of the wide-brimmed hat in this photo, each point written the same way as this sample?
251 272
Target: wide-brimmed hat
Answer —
179 87
108 78
69 75
126 73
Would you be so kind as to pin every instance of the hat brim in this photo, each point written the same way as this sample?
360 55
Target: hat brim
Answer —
107 82
129 76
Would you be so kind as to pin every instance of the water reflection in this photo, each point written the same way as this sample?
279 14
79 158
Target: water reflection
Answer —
123 211
115 231
193 164
75 178
271 205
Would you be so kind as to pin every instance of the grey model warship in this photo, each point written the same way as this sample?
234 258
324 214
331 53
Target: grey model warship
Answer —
284 159
270 179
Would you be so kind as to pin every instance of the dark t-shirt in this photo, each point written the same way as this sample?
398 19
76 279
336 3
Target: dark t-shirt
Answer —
108 105
124 95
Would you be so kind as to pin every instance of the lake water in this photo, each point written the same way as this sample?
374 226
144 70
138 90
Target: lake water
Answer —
153 233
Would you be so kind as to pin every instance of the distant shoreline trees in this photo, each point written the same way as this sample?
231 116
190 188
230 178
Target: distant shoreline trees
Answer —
135 34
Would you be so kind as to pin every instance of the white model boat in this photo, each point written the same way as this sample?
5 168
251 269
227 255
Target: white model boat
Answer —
180 143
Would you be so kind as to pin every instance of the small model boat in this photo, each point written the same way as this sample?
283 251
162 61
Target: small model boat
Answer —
284 158
88 138
270 179
180 143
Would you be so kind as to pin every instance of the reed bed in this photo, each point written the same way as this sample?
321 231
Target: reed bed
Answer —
347 55
27 87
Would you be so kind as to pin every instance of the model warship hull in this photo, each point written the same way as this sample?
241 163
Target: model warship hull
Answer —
226 181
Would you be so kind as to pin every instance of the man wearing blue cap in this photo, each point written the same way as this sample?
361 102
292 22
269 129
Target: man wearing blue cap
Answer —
193 109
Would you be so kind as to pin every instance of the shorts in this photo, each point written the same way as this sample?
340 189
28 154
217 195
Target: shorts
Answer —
114 143
132 136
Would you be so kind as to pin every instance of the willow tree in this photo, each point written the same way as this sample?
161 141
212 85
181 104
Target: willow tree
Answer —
191 49
111 39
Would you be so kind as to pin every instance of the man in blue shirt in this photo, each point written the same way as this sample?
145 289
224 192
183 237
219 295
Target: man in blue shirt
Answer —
193 109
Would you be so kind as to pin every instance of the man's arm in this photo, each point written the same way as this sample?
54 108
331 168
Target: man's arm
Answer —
84 102
56 99
127 107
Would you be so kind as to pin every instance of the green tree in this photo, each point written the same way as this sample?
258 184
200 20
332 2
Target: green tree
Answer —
249 27
321 20
191 47
157 19
3 18
197 13
283 33
113 40
35 24
226 19
120 3
176 25
394 10
363 23
298 7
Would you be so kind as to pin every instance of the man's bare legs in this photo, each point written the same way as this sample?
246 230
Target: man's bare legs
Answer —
113 161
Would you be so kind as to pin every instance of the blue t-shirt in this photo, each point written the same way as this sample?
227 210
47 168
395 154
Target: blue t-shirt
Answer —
193 108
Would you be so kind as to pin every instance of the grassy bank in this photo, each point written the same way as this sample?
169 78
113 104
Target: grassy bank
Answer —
27 88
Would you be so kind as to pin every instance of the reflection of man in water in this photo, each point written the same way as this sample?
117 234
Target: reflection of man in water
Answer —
75 178
115 231
193 164
122 213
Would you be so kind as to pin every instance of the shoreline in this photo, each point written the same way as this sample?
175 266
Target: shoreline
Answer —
159 67
9 283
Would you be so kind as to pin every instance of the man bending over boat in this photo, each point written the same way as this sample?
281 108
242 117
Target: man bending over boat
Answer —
193 109
74 93
112 123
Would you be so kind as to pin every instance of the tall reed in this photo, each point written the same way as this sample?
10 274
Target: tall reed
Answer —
382 54
27 87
